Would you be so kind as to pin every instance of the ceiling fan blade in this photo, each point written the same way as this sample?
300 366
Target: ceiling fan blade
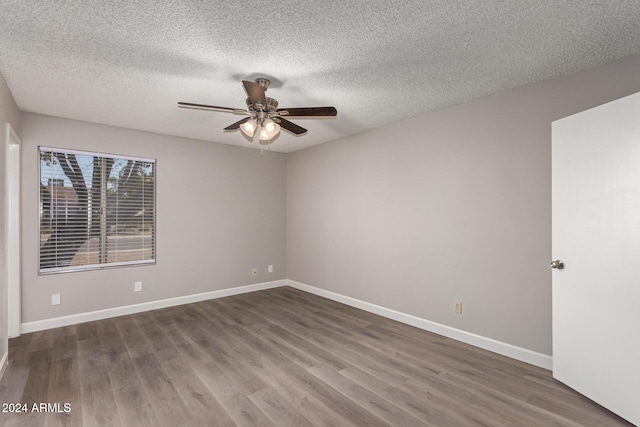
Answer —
310 111
210 107
237 124
255 92
291 127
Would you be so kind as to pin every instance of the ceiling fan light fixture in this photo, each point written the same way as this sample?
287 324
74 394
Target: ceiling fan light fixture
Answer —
249 127
264 116
264 135
271 128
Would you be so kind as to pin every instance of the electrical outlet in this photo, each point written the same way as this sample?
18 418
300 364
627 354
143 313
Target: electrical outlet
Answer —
457 307
270 269
55 299
137 287
254 272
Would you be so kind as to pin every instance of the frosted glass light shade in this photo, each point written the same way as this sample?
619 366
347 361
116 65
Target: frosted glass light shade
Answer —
249 127
271 128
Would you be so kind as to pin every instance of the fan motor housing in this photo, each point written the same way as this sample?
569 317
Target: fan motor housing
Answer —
272 105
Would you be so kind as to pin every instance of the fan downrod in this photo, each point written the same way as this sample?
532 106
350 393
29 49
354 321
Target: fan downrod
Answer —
263 82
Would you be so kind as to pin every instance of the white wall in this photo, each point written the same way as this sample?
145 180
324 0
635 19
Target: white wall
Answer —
8 114
452 205
220 212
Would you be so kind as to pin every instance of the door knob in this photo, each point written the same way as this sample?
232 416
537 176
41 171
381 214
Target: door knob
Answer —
557 264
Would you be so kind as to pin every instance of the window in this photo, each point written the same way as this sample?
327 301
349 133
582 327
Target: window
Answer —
96 210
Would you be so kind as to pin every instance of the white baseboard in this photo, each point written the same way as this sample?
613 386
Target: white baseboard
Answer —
3 363
512 351
41 325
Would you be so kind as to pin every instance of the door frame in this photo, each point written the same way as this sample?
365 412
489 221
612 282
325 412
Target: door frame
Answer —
13 250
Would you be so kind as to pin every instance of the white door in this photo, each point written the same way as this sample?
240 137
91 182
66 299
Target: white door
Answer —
12 179
596 234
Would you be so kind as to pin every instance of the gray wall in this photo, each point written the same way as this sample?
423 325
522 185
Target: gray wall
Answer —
8 114
452 205
220 212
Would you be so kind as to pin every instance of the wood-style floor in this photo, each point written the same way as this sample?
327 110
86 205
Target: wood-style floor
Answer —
279 357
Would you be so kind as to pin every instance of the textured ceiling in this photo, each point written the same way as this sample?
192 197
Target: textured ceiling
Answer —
127 63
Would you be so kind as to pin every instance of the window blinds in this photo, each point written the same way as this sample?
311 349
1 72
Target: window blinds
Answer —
96 210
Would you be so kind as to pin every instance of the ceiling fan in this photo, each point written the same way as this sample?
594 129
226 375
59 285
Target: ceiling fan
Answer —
263 113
